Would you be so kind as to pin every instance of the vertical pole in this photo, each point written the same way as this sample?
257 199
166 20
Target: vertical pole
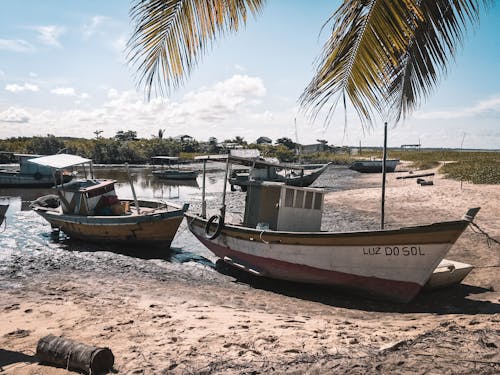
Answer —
203 187
223 208
382 212
91 171
133 189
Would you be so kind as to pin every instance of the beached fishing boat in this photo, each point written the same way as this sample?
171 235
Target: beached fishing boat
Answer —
32 175
280 237
168 172
90 210
374 165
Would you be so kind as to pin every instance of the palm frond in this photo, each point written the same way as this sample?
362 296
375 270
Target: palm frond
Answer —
435 41
386 56
366 34
171 35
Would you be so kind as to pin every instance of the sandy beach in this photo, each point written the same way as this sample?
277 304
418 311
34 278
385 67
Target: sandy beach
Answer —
159 319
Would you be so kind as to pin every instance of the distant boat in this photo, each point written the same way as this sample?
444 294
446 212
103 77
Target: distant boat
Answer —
168 172
280 237
374 165
32 175
89 209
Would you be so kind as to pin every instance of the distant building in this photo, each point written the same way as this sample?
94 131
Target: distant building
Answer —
410 147
264 141
184 138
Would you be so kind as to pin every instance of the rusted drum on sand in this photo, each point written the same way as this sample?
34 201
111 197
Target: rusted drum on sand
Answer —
73 355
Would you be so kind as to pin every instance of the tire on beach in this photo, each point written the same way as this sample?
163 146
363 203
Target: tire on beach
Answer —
219 222
71 354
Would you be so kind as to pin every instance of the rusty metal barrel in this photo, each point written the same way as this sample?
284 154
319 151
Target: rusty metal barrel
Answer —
73 355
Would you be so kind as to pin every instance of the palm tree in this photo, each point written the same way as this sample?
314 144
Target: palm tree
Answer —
383 56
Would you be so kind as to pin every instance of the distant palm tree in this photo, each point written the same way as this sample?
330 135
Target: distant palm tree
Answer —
383 56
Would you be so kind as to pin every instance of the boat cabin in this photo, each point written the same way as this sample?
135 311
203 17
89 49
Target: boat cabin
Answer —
89 197
26 167
276 206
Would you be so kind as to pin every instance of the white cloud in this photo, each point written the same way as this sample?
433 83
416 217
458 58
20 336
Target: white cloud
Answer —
210 109
94 25
33 75
50 34
486 106
239 68
14 115
70 91
20 88
64 91
17 45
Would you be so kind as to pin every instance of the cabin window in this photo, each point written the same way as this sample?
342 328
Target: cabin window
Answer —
318 197
299 199
309 200
289 197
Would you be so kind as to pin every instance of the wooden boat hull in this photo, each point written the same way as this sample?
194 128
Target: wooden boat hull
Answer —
391 264
157 227
13 179
373 166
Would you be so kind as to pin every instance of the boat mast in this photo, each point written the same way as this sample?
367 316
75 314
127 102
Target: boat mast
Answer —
382 211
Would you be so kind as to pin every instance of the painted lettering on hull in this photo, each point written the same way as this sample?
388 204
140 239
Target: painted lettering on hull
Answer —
404 251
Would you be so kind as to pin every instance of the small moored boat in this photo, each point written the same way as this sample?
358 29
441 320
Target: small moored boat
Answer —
168 172
374 165
90 210
32 175
260 169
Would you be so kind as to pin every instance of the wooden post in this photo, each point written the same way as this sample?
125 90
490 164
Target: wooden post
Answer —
382 212
133 189
223 208
203 187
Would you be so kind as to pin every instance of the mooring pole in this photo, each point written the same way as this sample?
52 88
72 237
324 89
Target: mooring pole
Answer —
203 201
223 208
133 189
384 159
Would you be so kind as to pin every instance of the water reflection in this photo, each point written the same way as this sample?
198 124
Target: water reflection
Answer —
27 232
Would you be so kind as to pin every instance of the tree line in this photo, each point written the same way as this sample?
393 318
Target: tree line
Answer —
125 146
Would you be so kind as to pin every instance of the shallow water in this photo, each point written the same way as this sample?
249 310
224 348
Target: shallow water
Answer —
27 241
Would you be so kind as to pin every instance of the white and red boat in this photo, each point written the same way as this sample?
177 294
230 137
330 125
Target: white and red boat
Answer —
280 237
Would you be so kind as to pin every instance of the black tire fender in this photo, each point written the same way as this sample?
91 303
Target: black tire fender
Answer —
219 224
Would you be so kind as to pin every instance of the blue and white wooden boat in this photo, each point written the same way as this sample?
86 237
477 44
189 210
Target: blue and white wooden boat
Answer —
90 210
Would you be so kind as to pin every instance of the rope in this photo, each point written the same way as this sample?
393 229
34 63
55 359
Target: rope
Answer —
489 239
263 240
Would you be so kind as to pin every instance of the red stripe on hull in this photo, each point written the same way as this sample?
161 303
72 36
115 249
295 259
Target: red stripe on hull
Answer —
393 290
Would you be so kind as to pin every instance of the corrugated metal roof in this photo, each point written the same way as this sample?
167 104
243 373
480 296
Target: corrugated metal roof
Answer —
60 161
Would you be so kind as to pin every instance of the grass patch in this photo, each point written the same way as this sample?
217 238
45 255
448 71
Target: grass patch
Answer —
475 167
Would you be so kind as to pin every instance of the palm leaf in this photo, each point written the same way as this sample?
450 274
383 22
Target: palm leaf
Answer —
365 36
385 56
435 41
171 35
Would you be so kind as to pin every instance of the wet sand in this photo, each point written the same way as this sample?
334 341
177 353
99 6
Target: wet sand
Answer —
159 318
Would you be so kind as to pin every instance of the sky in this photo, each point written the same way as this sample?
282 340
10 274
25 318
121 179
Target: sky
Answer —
63 71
